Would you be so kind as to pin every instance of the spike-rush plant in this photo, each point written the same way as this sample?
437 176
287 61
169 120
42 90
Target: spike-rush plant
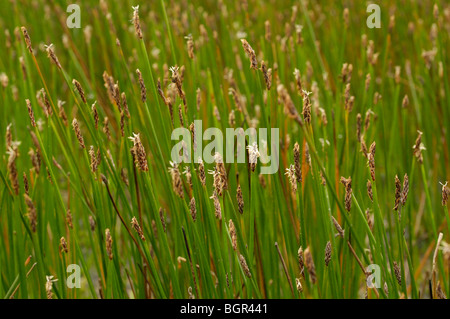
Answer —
94 204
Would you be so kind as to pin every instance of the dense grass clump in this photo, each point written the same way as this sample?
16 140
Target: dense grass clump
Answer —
87 176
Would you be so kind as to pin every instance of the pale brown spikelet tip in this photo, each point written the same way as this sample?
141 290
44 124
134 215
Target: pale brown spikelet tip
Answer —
327 253
136 23
79 90
27 39
290 172
51 54
297 163
250 53
244 266
142 86
309 263
109 242
233 235
63 248
193 209
30 113
77 130
267 29
137 228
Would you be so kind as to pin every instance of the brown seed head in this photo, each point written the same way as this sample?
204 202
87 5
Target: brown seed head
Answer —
136 23
142 86
240 199
137 228
79 89
328 253
244 266
30 113
233 235
77 130
63 248
109 242
250 53
309 263
193 209
27 39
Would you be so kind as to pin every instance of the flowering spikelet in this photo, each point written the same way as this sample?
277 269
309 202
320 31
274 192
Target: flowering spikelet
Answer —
95 114
49 286
27 39
142 86
162 218
62 113
137 228
51 54
240 199
193 209
201 172
138 151
401 194
217 208
79 89
125 104
30 113
369 219
358 126
45 103
31 210
439 292
95 158
106 128
298 284
338 227
187 173
176 78
418 147
221 172
328 253
77 130
244 266
306 107
250 53
35 158
290 172
297 163
190 46
25 183
369 190
92 223
12 168
363 148
233 235
69 219
301 263
347 182
405 101
309 263
371 156
253 155
177 184
137 25
398 273
445 193
267 74
405 190
63 245
109 242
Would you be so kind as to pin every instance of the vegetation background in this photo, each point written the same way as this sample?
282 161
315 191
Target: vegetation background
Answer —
337 86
